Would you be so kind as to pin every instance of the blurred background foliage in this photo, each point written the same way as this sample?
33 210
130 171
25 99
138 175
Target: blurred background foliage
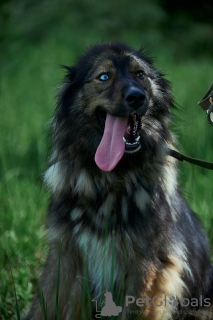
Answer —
35 38
79 23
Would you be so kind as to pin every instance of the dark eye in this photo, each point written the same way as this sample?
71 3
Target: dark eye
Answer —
103 77
140 74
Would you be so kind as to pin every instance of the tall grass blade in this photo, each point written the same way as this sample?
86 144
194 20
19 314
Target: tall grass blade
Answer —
57 288
17 306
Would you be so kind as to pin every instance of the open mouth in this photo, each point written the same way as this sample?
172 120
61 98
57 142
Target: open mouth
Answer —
131 136
121 135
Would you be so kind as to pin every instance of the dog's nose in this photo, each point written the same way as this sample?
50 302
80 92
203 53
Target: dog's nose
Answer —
135 97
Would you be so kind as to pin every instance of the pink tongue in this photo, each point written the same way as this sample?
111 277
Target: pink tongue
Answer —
112 146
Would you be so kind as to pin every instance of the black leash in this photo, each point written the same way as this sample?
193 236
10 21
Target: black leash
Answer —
197 162
206 104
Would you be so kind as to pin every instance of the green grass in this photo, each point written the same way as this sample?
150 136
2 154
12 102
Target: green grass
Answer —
28 86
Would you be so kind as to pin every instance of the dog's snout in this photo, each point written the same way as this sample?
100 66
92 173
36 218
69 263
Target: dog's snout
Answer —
135 97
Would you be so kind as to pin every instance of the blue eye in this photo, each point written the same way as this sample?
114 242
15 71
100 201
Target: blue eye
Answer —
103 77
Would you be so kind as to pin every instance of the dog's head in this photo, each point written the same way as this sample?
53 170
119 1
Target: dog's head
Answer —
113 109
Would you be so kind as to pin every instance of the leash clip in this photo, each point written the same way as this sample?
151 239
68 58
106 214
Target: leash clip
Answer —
206 103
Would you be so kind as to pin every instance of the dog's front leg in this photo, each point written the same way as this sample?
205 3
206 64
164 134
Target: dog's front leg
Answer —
60 288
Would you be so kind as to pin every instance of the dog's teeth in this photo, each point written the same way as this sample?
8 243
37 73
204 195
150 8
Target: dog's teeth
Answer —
124 139
138 138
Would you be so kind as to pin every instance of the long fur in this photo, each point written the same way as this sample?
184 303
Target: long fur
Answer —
128 231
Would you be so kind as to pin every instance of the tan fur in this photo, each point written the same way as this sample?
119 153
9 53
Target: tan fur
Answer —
166 282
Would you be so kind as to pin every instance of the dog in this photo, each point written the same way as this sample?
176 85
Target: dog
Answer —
117 221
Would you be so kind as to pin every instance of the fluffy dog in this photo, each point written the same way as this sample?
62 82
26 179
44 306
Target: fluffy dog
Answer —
117 221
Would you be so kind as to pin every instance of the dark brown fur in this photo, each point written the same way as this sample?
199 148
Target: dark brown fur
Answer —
128 231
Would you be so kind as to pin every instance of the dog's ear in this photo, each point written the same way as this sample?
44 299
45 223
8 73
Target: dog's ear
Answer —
66 94
71 72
